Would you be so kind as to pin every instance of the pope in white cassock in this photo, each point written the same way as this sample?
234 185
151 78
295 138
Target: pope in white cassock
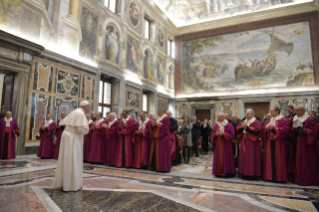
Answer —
70 164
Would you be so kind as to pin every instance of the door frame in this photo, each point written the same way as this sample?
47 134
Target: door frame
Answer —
242 102
20 97
201 106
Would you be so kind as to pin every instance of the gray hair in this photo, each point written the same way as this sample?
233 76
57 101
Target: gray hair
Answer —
221 113
302 106
113 115
251 110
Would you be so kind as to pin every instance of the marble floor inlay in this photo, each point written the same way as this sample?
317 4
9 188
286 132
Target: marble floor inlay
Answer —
26 186
91 200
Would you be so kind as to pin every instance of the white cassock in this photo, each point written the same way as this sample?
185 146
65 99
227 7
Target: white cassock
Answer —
70 164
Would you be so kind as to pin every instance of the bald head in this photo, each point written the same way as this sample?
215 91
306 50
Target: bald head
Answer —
152 116
112 117
169 114
300 110
221 117
63 115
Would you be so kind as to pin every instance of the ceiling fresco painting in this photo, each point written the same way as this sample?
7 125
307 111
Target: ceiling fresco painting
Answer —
188 12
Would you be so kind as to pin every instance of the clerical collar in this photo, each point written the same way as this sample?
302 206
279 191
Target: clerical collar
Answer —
90 121
145 121
302 118
250 121
7 120
125 120
273 120
112 122
161 118
99 121
143 124
49 121
222 125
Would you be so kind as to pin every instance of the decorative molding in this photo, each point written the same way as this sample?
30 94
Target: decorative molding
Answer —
247 18
68 62
33 48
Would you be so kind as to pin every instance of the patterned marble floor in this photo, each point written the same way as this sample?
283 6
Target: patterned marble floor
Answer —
26 185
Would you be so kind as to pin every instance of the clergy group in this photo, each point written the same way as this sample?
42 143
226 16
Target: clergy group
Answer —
280 149
262 148
147 143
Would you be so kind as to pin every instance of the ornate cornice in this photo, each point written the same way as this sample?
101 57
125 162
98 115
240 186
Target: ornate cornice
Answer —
36 49
159 14
250 17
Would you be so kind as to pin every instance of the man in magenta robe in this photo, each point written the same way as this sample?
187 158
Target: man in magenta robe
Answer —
124 153
8 130
275 157
221 139
248 131
58 133
160 159
142 141
303 155
46 149
98 140
87 138
112 140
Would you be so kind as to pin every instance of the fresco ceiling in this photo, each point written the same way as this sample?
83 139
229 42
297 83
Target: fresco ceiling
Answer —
189 12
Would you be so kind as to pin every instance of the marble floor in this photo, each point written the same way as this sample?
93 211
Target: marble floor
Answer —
26 185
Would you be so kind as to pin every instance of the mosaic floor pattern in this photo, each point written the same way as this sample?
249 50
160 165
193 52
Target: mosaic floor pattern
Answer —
26 185
92 200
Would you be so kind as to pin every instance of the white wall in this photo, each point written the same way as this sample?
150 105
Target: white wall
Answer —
1 87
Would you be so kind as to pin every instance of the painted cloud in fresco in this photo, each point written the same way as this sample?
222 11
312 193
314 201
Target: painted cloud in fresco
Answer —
187 12
271 57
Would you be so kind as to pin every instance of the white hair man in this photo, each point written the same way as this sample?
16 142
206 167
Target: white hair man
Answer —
303 156
70 163
8 130
222 135
159 153
113 140
46 149
248 131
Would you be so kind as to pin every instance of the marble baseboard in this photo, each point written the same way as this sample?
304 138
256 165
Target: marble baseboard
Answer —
30 150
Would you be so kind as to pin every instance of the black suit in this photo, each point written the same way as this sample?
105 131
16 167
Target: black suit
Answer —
317 119
174 128
195 137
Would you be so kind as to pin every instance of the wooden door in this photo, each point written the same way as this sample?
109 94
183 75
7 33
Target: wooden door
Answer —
202 114
7 94
260 108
